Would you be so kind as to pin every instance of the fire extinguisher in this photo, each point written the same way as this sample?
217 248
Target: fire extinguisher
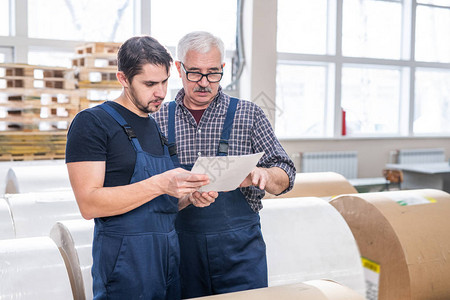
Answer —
344 126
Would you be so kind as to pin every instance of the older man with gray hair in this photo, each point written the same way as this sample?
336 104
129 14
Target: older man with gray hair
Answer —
222 247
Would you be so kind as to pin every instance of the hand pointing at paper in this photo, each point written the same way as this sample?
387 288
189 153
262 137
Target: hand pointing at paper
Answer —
274 180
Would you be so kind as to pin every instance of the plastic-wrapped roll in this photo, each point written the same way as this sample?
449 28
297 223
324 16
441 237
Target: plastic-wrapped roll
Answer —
36 178
34 214
403 238
307 239
32 268
6 222
317 184
74 240
310 290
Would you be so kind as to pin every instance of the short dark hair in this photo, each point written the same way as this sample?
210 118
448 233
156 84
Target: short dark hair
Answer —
140 50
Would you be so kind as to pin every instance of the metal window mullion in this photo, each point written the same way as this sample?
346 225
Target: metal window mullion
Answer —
19 10
143 19
412 72
338 72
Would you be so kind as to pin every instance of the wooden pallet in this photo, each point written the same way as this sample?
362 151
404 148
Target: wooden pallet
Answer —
33 156
98 47
30 83
37 104
15 96
36 77
96 61
26 146
94 75
20 124
99 85
34 114
34 71
86 103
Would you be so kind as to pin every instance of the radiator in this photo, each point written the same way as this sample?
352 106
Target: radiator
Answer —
342 162
419 156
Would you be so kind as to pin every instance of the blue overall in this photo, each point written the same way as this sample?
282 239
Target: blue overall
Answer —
222 248
136 254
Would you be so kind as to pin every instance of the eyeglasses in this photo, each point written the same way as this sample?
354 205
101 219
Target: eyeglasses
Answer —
197 76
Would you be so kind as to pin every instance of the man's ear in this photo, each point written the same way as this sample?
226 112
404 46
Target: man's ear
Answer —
122 78
178 65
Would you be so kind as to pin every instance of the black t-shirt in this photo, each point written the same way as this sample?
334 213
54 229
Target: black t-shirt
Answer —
95 136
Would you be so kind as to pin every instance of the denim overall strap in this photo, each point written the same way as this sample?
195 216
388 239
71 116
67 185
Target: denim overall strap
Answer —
128 130
227 127
171 132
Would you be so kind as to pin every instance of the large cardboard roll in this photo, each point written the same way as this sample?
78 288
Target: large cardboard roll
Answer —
37 178
74 240
309 290
34 214
317 184
32 268
404 240
307 239
6 222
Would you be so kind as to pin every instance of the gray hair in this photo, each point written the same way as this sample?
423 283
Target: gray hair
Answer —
200 41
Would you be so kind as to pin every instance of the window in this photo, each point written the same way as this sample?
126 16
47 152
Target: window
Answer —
189 18
6 55
84 20
371 99
388 81
54 27
432 33
170 20
310 19
301 95
432 105
372 28
4 18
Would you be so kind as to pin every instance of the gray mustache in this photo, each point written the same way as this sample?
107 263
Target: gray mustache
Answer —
202 89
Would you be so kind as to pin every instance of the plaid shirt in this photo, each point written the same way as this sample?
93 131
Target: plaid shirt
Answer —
251 133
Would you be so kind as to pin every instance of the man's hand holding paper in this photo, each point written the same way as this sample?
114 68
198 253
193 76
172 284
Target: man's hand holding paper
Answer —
227 173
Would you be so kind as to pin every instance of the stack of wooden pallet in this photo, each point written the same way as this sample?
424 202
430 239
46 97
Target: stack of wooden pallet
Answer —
38 103
36 98
95 66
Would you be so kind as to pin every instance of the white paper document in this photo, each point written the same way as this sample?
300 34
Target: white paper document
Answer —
225 173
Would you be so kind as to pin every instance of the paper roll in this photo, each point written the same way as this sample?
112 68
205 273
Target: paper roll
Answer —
37 178
6 222
333 290
74 240
307 239
403 237
317 184
32 268
34 214
310 290
6 165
